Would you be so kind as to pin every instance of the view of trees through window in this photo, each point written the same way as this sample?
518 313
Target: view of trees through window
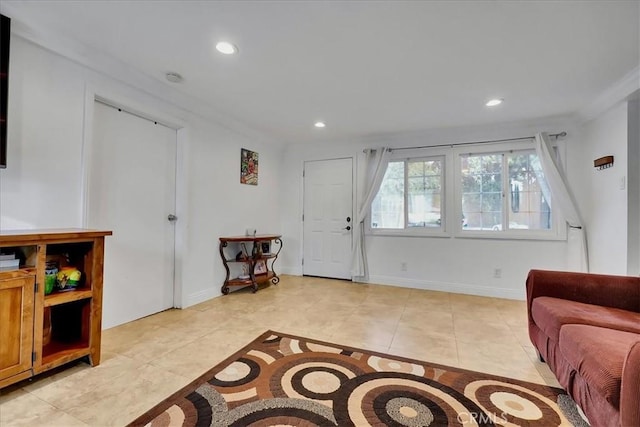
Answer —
425 187
422 179
498 192
491 201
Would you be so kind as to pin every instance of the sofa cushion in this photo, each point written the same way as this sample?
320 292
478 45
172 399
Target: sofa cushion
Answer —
551 313
598 355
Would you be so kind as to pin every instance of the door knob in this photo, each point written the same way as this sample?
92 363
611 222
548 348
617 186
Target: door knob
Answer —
172 217
348 227
348 219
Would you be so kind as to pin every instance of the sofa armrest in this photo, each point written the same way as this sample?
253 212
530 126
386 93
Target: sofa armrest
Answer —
630 388
621 292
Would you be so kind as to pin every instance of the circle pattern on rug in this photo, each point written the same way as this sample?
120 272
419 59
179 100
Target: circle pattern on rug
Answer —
234 372
240 372
396 398
279 412
382 364
321 382
513 403
288 381
409 410
318 382
310 376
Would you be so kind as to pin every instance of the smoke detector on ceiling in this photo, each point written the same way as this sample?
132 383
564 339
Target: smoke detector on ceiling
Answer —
174 77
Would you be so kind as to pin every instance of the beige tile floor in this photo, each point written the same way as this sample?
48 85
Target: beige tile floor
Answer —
147 360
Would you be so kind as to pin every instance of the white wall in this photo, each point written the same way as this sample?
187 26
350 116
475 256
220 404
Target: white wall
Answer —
602 196
220 206
451 264
42 185
633 191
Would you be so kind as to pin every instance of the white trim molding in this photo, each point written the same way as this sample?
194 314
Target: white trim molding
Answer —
201 296
619 91
456 288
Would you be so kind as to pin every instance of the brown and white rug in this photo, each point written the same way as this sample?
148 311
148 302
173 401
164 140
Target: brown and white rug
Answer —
280 379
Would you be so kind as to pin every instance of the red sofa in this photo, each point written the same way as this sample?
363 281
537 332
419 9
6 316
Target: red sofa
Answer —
587 329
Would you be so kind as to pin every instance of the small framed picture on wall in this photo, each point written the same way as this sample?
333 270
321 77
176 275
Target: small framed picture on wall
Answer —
248 167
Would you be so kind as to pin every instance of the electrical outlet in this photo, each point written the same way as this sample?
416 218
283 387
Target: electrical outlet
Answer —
497 273
403 266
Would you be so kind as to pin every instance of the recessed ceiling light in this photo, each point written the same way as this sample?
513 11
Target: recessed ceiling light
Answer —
494 102
320 124
173 77
226 48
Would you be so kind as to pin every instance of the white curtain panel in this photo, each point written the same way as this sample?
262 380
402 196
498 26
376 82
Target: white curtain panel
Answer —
377 161
577 258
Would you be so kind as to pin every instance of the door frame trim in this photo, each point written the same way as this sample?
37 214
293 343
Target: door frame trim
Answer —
354 184
109 96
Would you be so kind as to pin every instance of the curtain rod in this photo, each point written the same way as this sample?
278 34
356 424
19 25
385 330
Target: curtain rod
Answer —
522 138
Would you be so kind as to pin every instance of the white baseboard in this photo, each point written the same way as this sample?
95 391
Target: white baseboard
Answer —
457 288
292 271
198 297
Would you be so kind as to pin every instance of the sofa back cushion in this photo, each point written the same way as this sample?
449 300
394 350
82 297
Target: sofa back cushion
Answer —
551 313
621 292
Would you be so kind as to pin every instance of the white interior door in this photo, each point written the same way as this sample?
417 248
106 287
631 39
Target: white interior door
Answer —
131 190
328 218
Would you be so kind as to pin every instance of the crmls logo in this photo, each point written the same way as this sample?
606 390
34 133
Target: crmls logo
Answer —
481 418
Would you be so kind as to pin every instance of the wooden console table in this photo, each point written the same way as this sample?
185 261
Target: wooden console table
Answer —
39 332
254 262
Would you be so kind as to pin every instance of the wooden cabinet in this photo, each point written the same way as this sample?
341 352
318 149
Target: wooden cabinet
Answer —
16 323
249 260
39 332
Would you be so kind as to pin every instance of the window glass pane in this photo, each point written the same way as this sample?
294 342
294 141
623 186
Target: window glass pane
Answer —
470 185
491 182
424 193
416 169
491 163
528 208
481 192
387 209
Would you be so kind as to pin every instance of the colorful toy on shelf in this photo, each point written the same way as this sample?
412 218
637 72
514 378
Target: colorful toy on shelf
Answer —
50 276
68 278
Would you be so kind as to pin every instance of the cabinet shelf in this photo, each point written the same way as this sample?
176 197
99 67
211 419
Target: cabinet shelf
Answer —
47 331
257 258
264 277
58 353
257 261
239 260
260 278
239 282
57 298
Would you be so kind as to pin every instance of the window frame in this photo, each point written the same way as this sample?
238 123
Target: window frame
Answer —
445 198
451 195
558 227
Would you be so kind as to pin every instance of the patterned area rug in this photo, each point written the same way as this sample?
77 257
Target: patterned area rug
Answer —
280 379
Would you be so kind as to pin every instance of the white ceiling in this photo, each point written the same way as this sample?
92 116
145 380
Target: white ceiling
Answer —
367 68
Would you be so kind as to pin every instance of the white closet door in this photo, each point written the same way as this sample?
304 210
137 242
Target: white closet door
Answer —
131 190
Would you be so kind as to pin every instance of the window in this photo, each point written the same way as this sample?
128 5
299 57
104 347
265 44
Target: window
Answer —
410 196
503 192
490 193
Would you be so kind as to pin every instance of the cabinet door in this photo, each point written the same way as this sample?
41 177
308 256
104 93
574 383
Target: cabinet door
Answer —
16 325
